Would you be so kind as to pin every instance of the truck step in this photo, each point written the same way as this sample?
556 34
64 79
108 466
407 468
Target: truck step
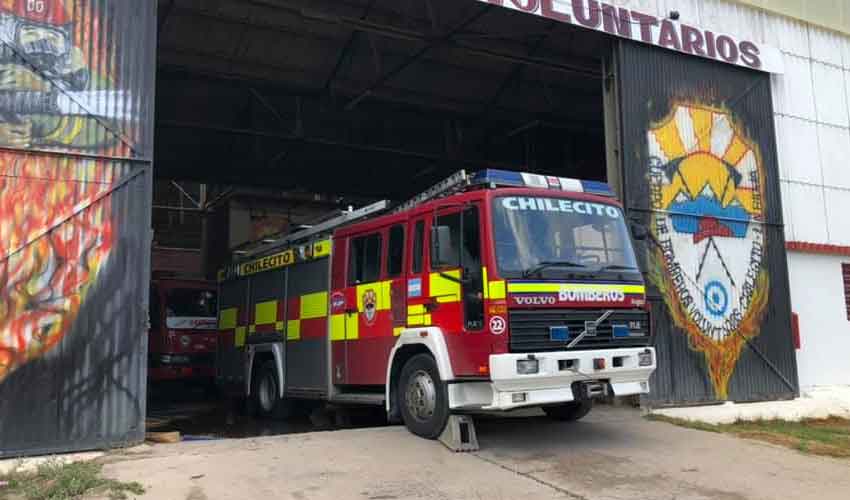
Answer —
360 398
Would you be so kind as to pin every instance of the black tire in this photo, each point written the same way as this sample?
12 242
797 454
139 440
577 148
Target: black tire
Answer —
265 391
422 397
569 412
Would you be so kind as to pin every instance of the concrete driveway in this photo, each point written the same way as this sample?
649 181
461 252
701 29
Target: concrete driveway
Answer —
613 454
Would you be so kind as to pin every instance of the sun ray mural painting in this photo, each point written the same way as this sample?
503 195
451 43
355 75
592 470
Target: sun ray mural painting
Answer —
701 174
73 153
706 183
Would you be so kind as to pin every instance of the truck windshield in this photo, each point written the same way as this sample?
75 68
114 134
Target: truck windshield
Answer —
187 302
547 237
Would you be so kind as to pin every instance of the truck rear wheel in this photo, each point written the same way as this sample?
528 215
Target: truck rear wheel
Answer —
265 393
423 399
569 412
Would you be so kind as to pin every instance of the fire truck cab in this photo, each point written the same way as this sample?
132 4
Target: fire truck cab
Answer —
182 339
488 292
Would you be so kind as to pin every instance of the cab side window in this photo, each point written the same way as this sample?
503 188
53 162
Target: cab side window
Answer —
364 265
395 251
418 247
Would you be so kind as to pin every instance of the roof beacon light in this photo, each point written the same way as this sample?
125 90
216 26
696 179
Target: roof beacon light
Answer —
524 179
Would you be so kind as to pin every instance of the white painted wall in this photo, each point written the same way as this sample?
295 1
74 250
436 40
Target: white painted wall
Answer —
817 293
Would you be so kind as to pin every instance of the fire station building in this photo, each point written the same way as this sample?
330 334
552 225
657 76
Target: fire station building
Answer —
172 135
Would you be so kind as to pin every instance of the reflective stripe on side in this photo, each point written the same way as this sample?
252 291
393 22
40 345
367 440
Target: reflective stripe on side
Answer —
227 318
239 336
443 289
265 313
557 287
293 329
314 305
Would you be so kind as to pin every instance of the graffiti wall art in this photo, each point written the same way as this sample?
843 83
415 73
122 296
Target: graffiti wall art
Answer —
56 229
706 196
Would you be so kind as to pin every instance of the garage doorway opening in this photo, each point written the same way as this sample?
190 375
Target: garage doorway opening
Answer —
272 113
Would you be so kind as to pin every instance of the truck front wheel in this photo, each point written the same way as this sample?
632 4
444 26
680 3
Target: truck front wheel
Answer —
569 412
422 397
265 393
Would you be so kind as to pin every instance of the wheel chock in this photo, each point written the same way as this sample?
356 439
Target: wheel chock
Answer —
459 434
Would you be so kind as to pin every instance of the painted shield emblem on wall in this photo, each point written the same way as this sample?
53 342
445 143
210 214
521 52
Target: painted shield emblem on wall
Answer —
706 195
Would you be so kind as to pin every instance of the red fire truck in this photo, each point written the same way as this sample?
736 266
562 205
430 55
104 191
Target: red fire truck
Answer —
183 335
488 292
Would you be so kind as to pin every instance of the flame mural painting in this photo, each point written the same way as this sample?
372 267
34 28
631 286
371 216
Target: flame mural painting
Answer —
706 195
56 229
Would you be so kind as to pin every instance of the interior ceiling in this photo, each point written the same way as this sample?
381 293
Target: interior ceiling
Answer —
371 97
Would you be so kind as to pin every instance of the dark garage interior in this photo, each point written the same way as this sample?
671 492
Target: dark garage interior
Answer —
273 113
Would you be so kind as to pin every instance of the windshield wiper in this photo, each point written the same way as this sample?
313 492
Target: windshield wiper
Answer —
546 264
616 267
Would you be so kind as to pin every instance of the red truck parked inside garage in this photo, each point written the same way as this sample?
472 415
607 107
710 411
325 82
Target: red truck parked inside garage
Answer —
183 335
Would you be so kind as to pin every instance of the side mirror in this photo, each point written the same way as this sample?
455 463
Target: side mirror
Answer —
441 246
639 231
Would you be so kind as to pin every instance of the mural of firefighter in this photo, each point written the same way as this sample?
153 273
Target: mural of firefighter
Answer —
706 182
56 229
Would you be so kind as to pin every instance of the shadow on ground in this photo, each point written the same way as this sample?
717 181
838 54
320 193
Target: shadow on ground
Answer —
200 414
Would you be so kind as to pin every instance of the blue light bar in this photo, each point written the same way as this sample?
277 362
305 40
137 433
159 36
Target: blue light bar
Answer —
524 179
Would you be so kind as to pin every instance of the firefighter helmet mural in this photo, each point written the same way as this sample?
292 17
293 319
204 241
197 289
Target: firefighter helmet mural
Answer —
56 232
706 181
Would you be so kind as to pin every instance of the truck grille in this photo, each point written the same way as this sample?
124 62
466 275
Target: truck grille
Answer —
529 329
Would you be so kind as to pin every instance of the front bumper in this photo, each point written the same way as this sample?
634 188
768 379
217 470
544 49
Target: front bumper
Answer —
553 383
181 372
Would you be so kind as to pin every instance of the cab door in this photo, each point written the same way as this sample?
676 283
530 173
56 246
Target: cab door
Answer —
368 314
456 288
456 278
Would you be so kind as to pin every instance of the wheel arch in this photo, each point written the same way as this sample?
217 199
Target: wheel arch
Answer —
259 354
410 343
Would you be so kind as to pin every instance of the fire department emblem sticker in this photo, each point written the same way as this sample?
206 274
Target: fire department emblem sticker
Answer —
370 306
706 194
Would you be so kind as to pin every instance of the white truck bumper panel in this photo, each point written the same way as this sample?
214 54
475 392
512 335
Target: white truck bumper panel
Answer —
553 381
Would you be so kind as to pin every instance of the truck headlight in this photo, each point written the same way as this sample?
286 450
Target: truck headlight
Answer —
527 366
645 358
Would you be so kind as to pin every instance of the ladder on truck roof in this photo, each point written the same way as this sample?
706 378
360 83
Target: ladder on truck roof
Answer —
346 217
456 182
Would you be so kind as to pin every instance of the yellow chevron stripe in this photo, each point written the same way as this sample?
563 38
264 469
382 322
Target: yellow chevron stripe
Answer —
265 313
584 287
314 305
227 318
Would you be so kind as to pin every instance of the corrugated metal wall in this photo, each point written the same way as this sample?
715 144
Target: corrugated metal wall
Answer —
76 148
700 170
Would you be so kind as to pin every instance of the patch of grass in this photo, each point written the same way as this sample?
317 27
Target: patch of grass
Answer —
55 480
828 437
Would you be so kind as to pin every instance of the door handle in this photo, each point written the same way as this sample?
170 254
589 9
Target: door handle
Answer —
432 305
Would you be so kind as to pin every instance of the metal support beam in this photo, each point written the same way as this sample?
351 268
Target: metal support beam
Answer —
266 104
446 37
317 141
346 48
459 42
186 194
518 68
166 14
